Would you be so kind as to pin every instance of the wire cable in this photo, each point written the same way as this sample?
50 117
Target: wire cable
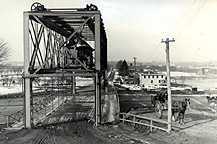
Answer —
190 20
181 18
172 29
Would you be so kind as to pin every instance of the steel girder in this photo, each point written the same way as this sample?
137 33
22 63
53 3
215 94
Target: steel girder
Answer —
57 36
64 43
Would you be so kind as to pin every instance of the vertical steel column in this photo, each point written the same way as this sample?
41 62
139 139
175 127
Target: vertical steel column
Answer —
73 83
98 69
106 81
27 88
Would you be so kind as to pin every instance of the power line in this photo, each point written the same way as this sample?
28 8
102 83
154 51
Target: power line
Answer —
153 52
162 57
190 20
159 61
171 30
181 18
161 52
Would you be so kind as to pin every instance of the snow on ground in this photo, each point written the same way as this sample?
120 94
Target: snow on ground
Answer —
9 90
178 74
18 88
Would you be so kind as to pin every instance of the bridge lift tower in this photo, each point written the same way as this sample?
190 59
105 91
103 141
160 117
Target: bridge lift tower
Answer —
66 42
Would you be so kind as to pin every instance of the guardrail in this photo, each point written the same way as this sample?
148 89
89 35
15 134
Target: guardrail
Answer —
17 117
43 103
144 121
13 118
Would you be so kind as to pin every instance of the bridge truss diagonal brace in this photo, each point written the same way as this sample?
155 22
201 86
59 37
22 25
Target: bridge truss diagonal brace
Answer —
37 37
67 39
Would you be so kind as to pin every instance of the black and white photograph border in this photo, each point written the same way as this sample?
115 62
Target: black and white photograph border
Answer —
133 71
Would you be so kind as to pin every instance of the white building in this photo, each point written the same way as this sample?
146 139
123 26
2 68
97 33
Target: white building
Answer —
152 79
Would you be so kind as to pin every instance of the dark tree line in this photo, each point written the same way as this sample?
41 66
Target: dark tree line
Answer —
122 68
4 51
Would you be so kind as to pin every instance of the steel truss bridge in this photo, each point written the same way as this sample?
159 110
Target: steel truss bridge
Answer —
63 44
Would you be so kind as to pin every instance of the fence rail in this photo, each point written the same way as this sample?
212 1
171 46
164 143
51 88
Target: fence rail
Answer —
144 121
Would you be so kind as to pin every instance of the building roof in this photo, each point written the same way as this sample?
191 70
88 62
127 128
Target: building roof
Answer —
153 74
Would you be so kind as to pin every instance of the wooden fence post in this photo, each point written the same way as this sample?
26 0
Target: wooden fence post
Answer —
134 119
7 121
151 128
123 117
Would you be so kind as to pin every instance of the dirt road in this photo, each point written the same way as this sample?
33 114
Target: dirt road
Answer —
83 132
200 127
73 133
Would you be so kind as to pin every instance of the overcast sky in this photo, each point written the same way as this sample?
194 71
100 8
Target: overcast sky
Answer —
134 27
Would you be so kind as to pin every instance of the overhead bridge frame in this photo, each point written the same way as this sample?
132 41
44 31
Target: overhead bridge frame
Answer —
52 40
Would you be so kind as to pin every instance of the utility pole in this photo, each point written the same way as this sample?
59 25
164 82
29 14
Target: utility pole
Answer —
134 58
168 83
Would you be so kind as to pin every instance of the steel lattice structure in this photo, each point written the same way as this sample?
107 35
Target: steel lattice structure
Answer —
63 43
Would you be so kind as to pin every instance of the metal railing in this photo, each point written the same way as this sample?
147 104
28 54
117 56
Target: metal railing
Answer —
17 117
144 121
43 103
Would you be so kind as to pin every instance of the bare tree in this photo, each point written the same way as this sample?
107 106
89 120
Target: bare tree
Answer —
4 51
